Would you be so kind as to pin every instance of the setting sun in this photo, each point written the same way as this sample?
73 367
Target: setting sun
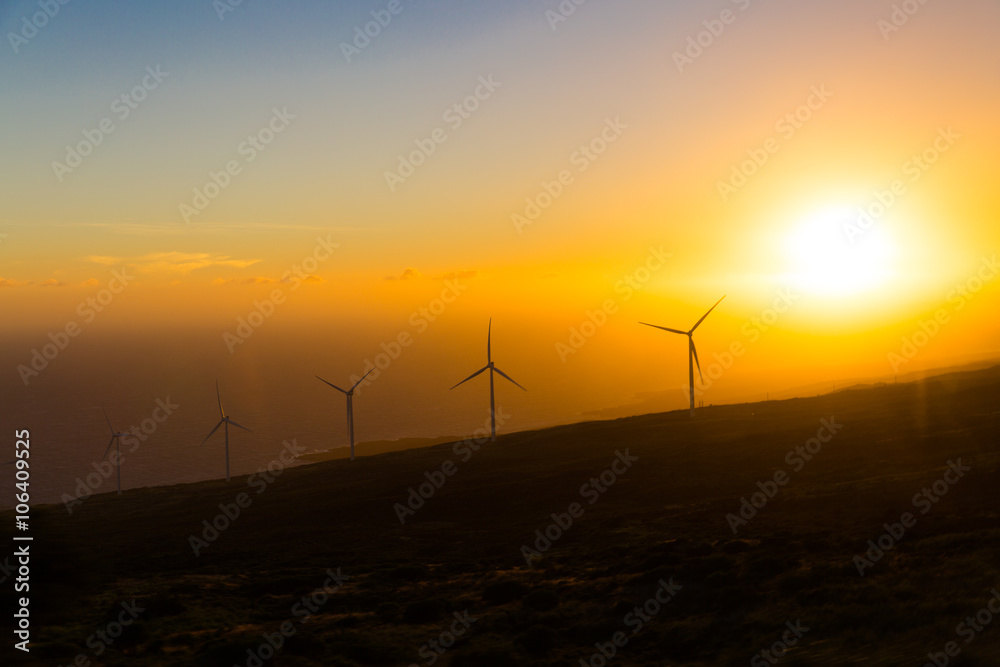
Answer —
824 258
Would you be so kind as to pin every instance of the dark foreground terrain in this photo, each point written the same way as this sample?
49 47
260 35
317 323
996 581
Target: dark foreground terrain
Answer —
724 598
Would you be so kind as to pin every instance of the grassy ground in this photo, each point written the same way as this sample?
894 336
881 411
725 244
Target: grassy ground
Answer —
663 519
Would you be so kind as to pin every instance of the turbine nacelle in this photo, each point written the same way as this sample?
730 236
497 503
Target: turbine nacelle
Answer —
115 435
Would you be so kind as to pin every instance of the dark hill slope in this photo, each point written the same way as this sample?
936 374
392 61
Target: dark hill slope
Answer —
664 517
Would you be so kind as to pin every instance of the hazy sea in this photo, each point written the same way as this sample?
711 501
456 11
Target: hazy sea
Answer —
274 395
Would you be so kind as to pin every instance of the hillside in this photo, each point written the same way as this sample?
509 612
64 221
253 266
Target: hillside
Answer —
660 515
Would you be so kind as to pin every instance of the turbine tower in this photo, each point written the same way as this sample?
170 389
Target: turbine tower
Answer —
692 352
224 421
492 369
350 404
116 441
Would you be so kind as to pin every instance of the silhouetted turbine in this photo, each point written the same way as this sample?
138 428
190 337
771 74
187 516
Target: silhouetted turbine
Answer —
116 441
692 352
350 404
224 421
492 369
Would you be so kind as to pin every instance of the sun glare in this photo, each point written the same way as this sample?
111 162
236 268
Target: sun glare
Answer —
829 253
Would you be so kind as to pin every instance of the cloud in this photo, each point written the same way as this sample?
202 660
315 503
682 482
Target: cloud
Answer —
7 282
179 262
173 262
174 228
264 280
408 274
255 280
48 282
412 274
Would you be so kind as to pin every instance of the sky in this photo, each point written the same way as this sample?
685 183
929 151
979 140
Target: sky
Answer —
566 170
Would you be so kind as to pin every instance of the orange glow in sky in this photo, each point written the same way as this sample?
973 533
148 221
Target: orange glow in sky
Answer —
566 178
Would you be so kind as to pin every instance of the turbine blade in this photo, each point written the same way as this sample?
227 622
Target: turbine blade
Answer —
230 421
219 396
344 391
507 376
484 368
489 335
706 314
213 432
694 351
361 380
683 333
111 442
108 419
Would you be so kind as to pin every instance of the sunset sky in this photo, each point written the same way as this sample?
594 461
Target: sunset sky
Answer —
834 128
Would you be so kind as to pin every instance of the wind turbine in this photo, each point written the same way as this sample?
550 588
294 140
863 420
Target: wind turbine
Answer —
350 404
692 352
116 441
492 369
227 421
